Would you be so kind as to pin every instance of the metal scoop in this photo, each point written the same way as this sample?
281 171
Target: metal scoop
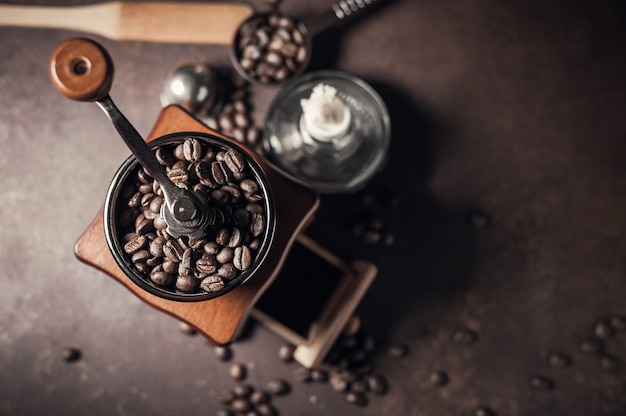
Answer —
82 70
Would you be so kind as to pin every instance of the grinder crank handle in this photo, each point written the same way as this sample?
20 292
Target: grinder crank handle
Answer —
200 23
82 70
339 13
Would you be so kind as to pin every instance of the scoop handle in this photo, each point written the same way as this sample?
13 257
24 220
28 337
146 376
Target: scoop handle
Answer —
81 69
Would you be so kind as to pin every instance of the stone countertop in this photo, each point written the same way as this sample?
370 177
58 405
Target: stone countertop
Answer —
501 210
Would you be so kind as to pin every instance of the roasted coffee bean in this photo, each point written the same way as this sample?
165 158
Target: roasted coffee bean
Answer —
237 371
559 359
257 224
277 387
192 149
186 283
184 267
398 350
257 397
242 259
285 352
377 384
591 346
212 284
464 336
71 354
358 399
141 255
169 266
186 329
603 329
618 323
610 363
135 244
220 173
225 255
162 278
206 265
228 271
226 396
224 412
233 192
319 375
243 390
438 378
483 411
541 383
223 353
303 374
266 409
338 383
240 405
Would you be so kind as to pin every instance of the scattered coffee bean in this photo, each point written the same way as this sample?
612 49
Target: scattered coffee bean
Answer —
186 329
71 354
223 353
603 329
224 412
464 336
478 219
610 363
338 383
226 396
285 352
356 398
319 375
618 323
483 411
303 375
541 383
591 346
438 378
278 387
377 384
240 405
559 359
257 397
266 409
243 390
238 371
398 350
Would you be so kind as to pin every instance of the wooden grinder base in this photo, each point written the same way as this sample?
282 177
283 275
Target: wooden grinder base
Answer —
218 319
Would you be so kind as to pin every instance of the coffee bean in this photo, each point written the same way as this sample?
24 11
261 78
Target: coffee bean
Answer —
187 283
603 329
224 412
439 378
186 329
541 383
266 409
398 350
228 271
610 363
192 149
319 375
226 396
240 405
303 374
237 371
278 387
71 354
162 278
618 323
591 346
559 359
377 384
338 383
359 386
483 411
464 336
212 283
285 352
478 219
356 398
223 353
243 390
242 258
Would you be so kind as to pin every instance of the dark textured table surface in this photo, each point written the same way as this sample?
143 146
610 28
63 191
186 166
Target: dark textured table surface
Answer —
511 112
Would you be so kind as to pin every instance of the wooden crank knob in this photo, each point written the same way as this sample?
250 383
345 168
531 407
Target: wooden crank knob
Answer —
81 69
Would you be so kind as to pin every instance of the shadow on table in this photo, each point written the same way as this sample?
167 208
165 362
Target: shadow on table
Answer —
425 250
